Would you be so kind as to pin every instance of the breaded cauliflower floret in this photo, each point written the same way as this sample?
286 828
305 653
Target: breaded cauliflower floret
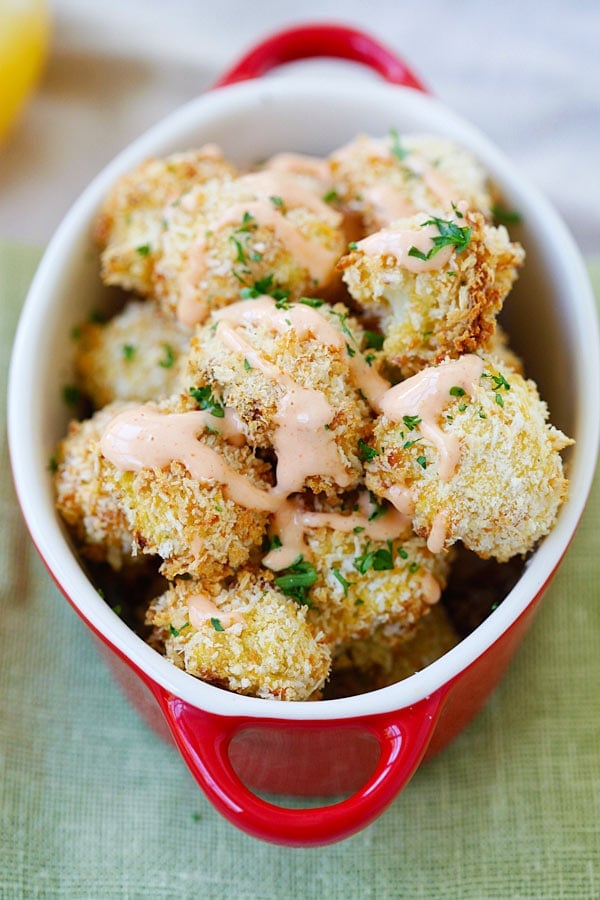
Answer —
384 179
266 232
384 663
465 448
366 585
87 492
194 520
247 637
130 225
443 302
137 355
288 370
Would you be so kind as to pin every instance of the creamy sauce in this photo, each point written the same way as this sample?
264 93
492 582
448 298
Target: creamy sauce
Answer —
388 203
431 588
438 533
141 438
301 164
401 497
290 192
291 522
425 395
201 609
397 242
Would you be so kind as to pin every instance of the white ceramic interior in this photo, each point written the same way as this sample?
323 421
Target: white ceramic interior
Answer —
550 317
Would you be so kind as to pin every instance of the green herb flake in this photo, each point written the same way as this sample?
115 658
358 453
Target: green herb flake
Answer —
402 553
396 148
240 252
339 577
504 216
216 624
414 567
500 383
411 422
71 394
366 452
450 234
276 201
350 351
370 359
358 530
331 196
53 463
297 579
247 365
128 352
168 360
422 461
352 245
499 400
205 400
143 250
175 632
380 560
359 601
312 301
457 391
373 340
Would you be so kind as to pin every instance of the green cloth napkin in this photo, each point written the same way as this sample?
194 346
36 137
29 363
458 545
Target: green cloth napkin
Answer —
94 805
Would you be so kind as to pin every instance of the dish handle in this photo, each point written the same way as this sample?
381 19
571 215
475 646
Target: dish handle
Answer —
325 40
204 738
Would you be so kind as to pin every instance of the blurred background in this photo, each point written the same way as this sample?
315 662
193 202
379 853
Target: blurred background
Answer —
527 73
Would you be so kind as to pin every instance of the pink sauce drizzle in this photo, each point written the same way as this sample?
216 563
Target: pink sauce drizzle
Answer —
438 533
201 609
142 438
397 242
291 522
425 395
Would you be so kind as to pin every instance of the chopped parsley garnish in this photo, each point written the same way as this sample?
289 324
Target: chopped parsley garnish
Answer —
365 452
248 223
350 350
175 632
128 352
282 302
205 400
373 340
499 400
402 553
378 509
343 318
247 365
276 201
331 196
457 391
169 358
71 394
352 245
275 542
450 234
422 460
345 584
499 382
312 301
240 252
143 249
53 463
506 216
359 601
264 287
297 579
411 422
414 567
379 560
216 624
396 148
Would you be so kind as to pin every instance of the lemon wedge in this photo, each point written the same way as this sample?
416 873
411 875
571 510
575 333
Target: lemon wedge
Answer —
24 34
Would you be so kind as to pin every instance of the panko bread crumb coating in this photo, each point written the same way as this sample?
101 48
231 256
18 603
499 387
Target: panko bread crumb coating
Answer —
434 300
181 480
465 449
130 225
87 492
366 586
247 637
136 355
274 361
370 663
389 178
265 232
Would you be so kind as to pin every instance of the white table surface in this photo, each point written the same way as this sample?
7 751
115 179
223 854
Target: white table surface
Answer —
527 73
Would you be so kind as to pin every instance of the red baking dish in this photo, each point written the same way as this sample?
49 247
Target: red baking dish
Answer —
363 747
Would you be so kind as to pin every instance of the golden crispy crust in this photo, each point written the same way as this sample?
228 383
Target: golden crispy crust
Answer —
267 649
509 483
138 355
309 362
130 225
441 313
